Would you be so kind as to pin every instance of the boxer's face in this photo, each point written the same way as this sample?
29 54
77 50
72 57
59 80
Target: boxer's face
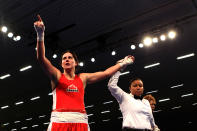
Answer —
68 61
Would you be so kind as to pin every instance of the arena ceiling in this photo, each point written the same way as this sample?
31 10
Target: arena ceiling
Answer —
94 29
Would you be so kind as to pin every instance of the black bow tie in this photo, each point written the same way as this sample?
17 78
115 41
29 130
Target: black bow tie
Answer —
138 97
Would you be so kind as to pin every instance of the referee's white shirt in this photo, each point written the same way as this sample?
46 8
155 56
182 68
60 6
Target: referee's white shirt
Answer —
136 113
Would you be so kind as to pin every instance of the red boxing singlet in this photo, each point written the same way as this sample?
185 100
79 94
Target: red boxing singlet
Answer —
69 95
68 106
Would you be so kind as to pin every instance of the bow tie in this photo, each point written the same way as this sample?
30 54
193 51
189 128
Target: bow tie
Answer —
137 97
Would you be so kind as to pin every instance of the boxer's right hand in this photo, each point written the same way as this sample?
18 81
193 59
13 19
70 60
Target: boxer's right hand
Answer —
126 61
39 27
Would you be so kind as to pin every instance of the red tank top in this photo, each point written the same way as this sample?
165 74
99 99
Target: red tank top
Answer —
69 94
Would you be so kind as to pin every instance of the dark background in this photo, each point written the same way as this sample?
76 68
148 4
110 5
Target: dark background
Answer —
93 28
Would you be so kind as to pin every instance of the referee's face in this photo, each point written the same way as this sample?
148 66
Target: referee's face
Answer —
137 88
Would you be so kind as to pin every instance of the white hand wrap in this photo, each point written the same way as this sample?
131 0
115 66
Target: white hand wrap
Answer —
126 61
40 37
40 32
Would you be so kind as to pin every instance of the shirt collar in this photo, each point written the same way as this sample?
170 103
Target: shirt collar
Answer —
138 97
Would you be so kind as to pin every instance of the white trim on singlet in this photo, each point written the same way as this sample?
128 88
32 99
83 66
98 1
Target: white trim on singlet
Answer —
54 98
69 117
50 126
76 117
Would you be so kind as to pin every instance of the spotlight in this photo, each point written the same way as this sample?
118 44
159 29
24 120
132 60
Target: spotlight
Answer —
172 34
93 59
133 47
141 45
10 34
155 40
54 56
4 29
113 53
147 41
14 38
18 38
81 64
163 37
